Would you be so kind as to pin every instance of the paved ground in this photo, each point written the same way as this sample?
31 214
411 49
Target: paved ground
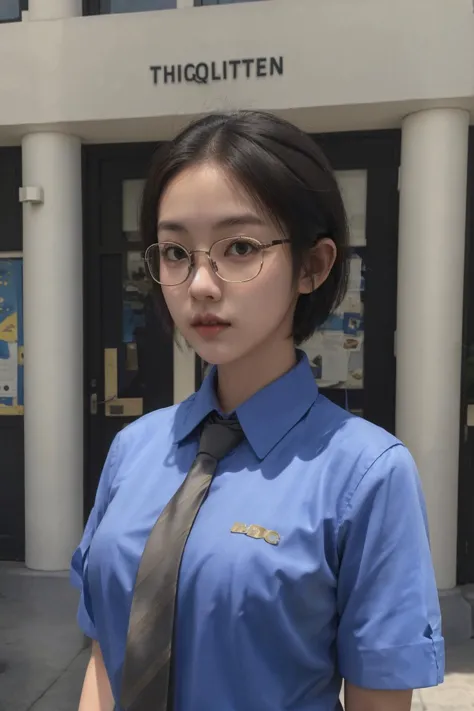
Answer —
457 692
43 655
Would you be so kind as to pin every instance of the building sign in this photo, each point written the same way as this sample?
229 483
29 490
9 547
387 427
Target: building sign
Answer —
225 70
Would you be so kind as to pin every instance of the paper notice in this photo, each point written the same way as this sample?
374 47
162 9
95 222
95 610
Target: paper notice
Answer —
353 185
328 357
350 303
335 361
9 373
355 274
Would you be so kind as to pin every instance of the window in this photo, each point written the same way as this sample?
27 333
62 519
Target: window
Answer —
199 3
10 10
105 7
117 6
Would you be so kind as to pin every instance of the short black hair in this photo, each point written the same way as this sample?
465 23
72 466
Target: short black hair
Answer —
285 172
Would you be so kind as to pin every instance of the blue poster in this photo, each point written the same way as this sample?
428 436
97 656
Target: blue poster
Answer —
11 332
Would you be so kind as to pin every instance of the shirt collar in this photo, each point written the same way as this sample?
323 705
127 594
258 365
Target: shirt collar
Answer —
266 417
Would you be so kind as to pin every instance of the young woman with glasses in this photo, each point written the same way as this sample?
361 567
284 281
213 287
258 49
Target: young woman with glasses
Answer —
261 574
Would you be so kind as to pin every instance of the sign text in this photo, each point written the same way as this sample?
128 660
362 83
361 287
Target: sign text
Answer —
227 69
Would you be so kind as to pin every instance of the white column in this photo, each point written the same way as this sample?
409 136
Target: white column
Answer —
182 4
430 314
54 9
53 331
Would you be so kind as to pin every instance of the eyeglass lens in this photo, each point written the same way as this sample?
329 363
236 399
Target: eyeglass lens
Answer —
234 259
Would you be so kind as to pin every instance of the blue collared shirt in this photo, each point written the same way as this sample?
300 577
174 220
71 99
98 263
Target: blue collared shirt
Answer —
348 591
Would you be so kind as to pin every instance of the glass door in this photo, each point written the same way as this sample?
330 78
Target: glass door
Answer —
465 568
353 354
336 351
130 356
355 350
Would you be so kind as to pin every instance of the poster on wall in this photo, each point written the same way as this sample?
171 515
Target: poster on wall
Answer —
336 351
8 302
11 337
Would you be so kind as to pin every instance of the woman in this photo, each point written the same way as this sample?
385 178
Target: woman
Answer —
307 559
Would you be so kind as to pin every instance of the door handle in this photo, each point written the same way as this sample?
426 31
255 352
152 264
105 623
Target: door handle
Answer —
470 416
94 402
116 406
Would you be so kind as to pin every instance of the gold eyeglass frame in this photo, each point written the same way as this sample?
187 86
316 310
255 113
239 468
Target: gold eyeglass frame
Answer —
191 262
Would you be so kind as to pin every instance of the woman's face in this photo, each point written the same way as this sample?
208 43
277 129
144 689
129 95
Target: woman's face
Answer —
224 321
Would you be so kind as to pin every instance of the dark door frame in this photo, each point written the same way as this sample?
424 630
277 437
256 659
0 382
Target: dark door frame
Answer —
465 548
12 520
378 152
99 163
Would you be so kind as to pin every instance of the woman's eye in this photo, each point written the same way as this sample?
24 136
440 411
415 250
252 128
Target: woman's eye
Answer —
172 253
241 248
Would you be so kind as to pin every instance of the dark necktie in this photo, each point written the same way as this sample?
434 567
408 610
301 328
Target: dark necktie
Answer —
146 672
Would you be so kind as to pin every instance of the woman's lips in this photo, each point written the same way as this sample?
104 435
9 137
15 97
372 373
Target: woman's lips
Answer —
210 330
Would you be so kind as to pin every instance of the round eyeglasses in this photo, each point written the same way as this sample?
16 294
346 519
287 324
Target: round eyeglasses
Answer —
232 259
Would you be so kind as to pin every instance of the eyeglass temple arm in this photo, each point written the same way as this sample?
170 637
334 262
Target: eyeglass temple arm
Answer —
275 242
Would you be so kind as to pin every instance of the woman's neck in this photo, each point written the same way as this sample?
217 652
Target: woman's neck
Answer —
239 380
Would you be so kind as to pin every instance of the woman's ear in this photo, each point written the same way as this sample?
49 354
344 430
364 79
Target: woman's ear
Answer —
317 266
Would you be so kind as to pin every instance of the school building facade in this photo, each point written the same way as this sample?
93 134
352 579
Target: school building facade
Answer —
87 90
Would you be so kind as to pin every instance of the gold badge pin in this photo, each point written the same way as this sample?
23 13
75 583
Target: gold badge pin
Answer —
253 531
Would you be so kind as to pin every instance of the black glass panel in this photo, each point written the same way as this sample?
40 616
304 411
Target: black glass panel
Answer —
220 2
10 10
116 6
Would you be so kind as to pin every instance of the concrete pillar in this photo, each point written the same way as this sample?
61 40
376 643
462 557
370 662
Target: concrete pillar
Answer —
53 331
183 4
54 9
433 184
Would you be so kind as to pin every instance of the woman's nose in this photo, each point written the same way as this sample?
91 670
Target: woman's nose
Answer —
204 283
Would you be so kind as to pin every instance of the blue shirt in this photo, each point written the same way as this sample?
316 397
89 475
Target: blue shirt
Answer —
348 590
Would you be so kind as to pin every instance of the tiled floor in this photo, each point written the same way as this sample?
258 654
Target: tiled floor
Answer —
39 640
43 655
457 692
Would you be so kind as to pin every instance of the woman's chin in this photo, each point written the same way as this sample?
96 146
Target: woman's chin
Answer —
216 354
210 356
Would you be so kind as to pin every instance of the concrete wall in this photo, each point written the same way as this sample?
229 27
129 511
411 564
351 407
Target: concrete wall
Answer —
348 65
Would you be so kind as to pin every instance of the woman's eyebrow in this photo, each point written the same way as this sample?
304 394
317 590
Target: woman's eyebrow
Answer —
230 221
247 218
171 226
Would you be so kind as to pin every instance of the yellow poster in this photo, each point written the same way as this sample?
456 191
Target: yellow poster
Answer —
9 327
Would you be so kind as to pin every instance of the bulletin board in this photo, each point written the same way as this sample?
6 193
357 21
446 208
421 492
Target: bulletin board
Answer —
336 351
11 337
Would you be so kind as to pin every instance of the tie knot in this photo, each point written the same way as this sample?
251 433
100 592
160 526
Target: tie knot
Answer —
220 435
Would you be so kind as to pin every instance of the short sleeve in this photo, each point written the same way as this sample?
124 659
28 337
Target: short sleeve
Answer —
78 572
389 634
